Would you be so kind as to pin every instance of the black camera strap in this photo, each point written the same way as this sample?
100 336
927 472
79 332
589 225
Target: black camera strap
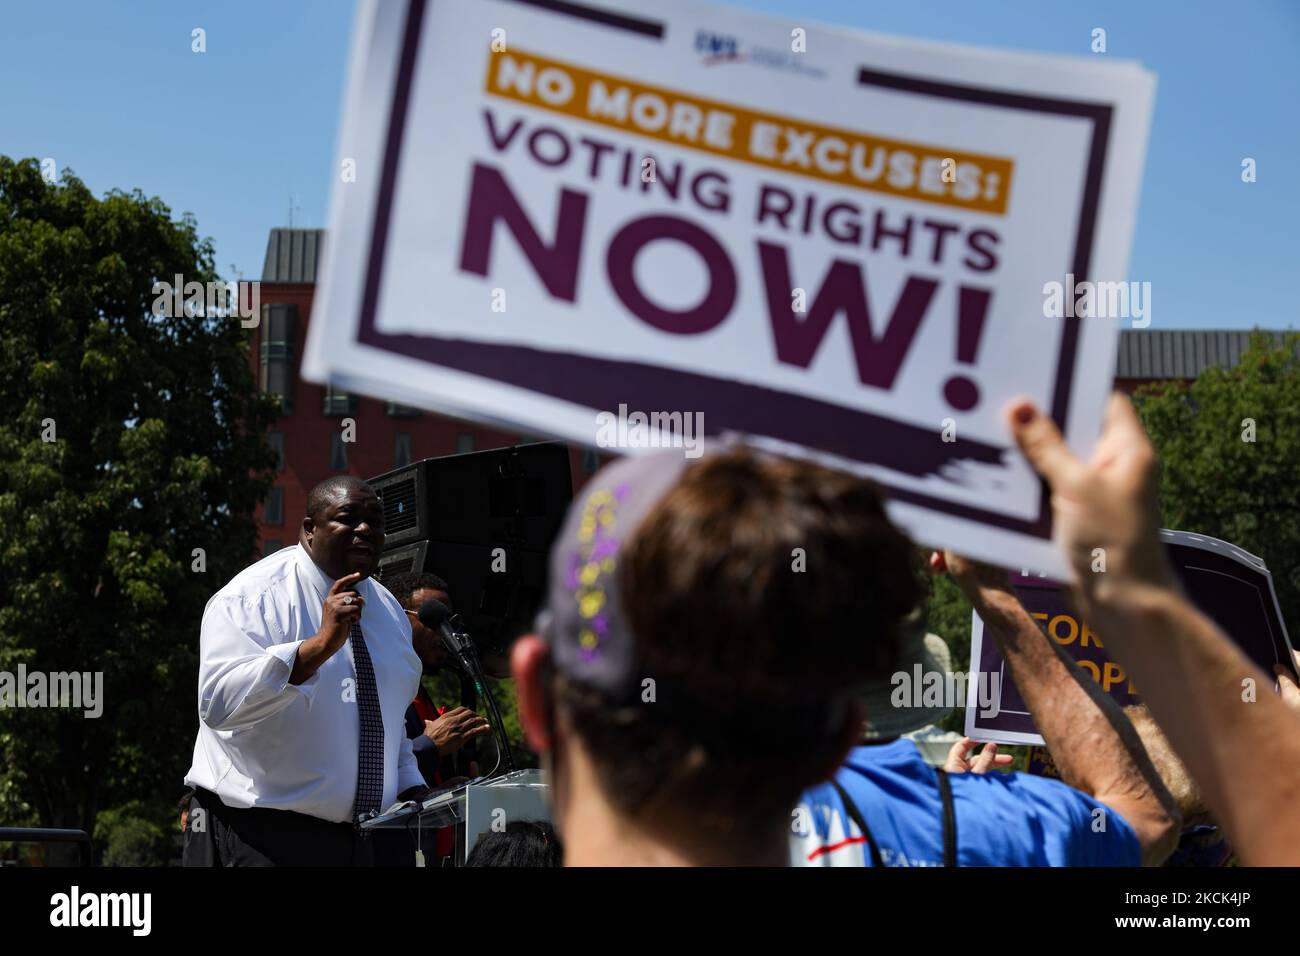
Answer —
949 821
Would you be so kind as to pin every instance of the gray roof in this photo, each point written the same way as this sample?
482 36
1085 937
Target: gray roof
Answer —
293 255
1179 353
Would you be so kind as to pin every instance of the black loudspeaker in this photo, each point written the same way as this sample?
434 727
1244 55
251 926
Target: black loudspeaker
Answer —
484 522
404 494
402 560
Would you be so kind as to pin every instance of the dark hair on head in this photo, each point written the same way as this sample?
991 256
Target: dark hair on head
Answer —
326 492
769 589
186 797
403 586
522 843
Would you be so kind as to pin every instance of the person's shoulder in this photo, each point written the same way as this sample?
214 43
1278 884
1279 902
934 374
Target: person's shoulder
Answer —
1015 784
1077 817
1023 782
259 577
384 594
392 613
1022 794
1038 796
875 773
899 756
381 596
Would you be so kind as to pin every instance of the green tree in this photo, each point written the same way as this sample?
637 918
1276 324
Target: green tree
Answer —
444 688
130 837
1229 446
132 453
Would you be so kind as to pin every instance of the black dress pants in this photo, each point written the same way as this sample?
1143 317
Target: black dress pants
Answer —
218 835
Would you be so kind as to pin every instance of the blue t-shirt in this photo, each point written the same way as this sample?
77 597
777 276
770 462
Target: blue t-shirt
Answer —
1003 819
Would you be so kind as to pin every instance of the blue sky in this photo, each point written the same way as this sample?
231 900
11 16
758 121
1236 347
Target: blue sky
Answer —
112 91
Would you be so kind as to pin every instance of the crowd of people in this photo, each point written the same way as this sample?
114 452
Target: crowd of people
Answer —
708 685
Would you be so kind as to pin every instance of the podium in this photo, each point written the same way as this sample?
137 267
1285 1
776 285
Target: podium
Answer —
473 809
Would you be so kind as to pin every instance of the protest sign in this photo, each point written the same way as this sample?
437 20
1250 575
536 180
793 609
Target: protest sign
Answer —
835 243
1040 763
1229 585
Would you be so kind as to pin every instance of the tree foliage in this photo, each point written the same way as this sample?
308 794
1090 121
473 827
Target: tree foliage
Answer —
158 457
1229 446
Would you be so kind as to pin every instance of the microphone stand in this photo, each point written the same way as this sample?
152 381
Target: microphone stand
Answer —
468 655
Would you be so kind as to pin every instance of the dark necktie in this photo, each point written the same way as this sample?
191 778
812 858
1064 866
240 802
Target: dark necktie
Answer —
370 758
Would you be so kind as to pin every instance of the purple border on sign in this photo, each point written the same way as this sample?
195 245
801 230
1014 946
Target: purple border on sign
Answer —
851 434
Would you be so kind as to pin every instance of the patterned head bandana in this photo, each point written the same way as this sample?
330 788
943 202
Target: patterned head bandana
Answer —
583 621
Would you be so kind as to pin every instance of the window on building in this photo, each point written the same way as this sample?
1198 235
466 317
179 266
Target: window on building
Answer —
338 402
270 546
464 443
338 452
276 441
273 512
402 450
276 358
397 410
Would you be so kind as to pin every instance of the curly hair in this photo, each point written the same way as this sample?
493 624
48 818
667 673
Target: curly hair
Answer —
403 586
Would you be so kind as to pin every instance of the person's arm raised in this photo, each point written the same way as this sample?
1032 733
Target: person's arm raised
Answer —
1094 745
1242 749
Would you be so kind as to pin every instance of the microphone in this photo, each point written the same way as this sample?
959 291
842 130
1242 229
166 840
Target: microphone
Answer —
437 617
432 613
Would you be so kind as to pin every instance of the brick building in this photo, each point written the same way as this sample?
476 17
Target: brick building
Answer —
309 434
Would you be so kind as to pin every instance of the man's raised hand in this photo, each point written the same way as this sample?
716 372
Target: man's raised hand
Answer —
1105 508
341 610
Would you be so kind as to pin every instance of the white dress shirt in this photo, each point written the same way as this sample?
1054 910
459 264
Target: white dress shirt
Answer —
264 742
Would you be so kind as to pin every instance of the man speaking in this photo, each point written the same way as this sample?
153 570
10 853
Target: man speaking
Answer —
305 672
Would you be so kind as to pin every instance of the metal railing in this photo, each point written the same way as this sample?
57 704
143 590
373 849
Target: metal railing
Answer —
49 835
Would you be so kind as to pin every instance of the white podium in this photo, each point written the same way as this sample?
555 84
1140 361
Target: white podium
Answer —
474 809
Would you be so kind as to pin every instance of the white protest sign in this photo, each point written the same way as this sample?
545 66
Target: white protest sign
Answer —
836 243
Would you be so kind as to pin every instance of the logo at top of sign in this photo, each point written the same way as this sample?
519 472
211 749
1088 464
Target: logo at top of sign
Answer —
717 49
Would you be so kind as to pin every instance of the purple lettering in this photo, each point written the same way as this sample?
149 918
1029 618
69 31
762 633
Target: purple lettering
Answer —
717 302
490 200
843 290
